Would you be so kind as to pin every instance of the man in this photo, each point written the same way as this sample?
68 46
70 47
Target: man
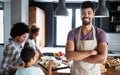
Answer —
87 44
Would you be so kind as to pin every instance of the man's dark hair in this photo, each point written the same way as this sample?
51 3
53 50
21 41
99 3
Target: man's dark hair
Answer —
27 54
87 4
19 29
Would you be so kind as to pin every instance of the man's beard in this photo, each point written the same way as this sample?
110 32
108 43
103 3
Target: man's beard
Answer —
86 21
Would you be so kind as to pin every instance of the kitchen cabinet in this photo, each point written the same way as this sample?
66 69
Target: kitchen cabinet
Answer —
114 18
37 17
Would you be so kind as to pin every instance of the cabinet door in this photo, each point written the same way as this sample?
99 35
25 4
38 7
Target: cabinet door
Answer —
37 17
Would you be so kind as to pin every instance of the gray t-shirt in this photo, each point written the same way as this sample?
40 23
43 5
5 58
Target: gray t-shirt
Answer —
100 35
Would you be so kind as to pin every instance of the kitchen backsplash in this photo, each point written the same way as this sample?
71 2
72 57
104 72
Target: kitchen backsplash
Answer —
113 41
53 49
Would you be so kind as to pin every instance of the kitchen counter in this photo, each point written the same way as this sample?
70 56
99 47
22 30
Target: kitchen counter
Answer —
111 71
66 71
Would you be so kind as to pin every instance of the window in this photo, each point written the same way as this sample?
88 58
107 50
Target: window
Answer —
64 25
78 18
1 27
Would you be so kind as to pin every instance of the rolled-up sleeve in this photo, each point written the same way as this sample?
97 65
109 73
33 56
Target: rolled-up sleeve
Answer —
70 36
102 36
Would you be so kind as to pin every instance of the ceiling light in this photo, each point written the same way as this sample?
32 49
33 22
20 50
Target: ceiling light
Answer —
101 10
61 9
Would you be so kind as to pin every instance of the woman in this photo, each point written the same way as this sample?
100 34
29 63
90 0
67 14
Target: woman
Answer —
11 54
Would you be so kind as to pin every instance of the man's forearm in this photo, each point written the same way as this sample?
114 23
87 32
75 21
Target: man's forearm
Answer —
95 59
77 55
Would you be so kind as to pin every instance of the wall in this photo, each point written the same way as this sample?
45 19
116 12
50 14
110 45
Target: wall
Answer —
19 11
114 41
7 25
25 11
15 11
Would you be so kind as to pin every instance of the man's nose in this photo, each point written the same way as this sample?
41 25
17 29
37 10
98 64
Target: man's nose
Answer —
86 15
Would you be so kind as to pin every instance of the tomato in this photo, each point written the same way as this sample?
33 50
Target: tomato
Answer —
61 54
58 54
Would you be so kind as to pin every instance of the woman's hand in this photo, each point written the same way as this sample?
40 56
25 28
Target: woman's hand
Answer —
51 62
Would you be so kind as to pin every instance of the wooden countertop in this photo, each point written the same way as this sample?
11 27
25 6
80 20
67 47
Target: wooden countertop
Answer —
66 71
111 71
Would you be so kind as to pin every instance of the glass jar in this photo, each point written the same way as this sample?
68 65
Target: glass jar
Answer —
117 28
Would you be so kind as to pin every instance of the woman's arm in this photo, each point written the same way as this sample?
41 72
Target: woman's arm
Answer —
50 67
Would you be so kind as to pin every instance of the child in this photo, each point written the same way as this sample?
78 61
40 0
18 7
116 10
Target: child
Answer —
28 55
34 32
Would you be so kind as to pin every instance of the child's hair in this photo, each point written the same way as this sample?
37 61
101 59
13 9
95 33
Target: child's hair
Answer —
26 44
19 29
34 29
87 4
27 54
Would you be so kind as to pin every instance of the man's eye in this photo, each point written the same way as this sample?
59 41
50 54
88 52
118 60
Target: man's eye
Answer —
89 13
83 13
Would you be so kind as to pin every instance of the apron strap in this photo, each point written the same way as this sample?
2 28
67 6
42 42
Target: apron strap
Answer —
79 37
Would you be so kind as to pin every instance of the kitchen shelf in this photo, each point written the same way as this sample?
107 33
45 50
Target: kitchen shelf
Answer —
114 11
115 22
